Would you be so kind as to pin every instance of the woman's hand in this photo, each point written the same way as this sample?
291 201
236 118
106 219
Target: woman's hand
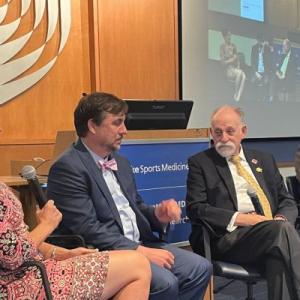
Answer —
49 215
81 251
48 218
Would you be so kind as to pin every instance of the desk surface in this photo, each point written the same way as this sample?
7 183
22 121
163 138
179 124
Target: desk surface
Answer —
18 180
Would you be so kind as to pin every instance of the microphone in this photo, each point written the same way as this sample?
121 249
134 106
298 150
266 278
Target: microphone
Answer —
255 201
29 173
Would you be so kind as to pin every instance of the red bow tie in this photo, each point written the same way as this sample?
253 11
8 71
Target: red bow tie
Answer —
109 165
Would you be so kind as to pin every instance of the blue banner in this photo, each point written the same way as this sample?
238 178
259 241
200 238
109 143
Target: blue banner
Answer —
160 170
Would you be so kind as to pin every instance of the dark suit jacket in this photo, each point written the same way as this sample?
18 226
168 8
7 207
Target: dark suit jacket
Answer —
266 58
291 71
80 192
211 195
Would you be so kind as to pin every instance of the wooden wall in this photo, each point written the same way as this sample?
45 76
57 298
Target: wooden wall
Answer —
40 111
125 47
29 122
137 48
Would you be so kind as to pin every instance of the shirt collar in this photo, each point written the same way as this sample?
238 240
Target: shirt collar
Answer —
94 155
241 155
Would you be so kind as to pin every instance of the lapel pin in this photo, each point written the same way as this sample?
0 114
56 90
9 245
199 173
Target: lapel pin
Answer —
254 161
259 170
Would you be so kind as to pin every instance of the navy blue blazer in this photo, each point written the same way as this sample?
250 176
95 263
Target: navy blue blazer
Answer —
81 194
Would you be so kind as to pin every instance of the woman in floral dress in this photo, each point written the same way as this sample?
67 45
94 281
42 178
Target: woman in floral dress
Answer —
230 60
73 274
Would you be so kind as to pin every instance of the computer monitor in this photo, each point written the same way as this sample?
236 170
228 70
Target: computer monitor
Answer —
158 114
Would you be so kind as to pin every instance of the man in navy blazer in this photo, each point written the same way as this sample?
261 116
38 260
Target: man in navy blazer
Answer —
218 195
95 190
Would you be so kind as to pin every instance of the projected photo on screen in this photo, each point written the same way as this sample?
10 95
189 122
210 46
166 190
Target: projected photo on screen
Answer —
253 68
237 52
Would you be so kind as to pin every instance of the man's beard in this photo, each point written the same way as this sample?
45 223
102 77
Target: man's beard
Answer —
225 149
115 146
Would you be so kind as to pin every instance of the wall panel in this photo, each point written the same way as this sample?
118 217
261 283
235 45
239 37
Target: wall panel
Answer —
29 122
9 152
137 48
46 107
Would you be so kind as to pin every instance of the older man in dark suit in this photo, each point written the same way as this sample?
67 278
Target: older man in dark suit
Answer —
240 193
95 190
286 73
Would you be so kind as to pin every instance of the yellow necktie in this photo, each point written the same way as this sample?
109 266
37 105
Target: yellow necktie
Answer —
252 182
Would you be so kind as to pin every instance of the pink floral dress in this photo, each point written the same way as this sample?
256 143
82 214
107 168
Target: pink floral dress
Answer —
81 277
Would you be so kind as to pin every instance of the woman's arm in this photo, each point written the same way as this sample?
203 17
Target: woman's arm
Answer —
48 219
59 253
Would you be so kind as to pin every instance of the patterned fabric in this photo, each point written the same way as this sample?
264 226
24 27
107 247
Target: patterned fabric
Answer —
108 165
81 277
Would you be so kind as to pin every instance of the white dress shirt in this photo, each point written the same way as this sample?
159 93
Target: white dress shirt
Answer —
127 215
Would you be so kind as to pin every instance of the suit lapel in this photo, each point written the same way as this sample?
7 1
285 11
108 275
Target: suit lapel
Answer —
96 174
225 174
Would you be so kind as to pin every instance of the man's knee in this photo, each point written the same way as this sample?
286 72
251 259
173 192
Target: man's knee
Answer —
280 231
164 284
281 227
194 273
190 266
202 269
208 268
195 283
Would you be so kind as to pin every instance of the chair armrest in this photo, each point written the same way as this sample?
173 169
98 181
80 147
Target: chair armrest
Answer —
42 269
68 241
207 232
206 242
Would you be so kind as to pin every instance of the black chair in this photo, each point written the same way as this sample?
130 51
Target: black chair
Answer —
293 187
250 274
19 272
68 241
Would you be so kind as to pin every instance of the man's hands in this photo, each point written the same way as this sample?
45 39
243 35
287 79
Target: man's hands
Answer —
160 257
167 211
249 219
280 218
258 76
253 218
279 75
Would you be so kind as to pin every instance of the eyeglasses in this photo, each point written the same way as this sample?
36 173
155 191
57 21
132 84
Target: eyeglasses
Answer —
230 131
